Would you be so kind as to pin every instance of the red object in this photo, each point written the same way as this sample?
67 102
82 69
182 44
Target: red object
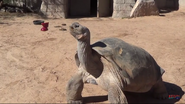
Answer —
45 26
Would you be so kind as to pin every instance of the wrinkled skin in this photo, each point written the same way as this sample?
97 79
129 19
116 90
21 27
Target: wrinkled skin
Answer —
115 66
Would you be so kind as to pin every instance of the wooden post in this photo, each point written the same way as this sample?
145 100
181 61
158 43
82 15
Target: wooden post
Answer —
98 9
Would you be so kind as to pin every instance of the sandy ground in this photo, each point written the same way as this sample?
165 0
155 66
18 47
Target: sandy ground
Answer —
35 65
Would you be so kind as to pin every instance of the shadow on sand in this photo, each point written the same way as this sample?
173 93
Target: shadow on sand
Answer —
143 97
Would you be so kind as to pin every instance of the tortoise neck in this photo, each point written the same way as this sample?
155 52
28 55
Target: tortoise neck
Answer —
87 59
84 52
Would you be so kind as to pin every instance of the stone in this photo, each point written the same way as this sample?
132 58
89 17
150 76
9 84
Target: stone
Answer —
181 3
124 1
53 8
122 8
144 8
120 14
54 2
58 14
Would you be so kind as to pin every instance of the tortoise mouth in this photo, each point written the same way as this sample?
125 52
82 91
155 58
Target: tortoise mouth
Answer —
76 34
75 31
80 36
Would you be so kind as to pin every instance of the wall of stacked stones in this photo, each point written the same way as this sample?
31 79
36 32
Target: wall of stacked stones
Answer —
181 3
58 8
54 8
122 8
33 4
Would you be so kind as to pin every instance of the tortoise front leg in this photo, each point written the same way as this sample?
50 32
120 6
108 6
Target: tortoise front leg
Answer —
116 95
74 89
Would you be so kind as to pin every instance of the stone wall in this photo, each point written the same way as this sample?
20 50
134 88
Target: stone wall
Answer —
181 3
53 8
122 8
144 8
32 4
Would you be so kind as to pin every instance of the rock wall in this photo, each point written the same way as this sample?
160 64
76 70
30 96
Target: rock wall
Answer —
144 8
32 4
181 3
122 8
53 8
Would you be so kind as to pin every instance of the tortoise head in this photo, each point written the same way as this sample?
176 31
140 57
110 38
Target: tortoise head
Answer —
80 32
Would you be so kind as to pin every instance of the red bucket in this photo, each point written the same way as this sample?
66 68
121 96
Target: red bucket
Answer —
45 26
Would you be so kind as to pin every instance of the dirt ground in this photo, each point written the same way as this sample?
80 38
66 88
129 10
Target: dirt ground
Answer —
35 66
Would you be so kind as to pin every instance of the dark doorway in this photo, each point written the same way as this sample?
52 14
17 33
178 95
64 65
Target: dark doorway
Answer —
111 7
90 8
93 8
82 8
105 8
79 8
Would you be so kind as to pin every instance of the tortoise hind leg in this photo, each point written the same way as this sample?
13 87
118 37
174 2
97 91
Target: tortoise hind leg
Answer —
116 95
160 91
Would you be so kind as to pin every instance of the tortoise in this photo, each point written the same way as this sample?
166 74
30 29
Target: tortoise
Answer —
114 65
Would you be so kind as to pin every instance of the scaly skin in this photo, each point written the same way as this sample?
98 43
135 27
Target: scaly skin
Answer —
115 66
